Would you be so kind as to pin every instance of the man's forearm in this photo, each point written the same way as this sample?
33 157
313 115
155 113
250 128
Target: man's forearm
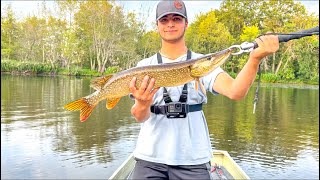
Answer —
245 78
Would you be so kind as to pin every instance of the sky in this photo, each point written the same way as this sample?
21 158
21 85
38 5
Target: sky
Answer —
147 8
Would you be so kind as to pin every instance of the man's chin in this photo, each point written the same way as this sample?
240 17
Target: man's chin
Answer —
172 39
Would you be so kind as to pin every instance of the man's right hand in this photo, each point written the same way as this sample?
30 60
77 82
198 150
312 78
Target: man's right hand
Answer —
143 97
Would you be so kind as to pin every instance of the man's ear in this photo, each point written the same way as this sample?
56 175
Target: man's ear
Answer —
157 27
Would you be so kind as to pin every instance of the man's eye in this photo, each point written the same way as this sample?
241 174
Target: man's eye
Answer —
177 19
163 20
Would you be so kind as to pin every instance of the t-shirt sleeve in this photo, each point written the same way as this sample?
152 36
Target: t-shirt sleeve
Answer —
140 63
209 80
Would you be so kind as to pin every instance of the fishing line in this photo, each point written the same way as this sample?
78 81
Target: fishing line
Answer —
285 37
257 90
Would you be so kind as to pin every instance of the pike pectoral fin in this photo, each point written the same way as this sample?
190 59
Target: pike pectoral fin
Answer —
82 105
197 84
112 102
99 82
202 88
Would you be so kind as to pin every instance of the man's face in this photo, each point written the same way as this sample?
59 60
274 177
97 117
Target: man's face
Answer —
172 27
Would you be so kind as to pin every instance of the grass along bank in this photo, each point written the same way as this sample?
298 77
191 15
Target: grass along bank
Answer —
31 68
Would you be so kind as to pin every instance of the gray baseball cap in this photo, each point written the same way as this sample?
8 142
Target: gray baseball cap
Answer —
166 7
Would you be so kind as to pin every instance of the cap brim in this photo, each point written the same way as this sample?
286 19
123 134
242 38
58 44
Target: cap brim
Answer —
171 13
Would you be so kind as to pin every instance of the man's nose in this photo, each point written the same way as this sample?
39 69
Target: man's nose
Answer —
171 23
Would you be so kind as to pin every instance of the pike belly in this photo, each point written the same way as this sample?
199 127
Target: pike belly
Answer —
164 78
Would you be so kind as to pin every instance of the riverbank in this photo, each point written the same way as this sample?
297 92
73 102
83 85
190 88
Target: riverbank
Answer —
36 69
31 68
264 83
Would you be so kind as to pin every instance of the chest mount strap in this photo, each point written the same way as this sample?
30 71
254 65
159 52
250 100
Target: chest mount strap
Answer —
175 109
184 95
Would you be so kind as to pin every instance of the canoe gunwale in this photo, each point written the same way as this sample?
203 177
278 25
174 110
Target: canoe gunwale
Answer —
220 157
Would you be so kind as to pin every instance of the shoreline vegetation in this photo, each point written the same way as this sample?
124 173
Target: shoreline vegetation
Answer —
95 38
28 68
32 69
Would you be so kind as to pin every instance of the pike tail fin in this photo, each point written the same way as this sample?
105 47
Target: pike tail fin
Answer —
82 105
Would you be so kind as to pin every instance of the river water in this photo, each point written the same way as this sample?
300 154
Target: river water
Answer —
41 140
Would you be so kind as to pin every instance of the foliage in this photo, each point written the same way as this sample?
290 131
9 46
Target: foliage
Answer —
269 78
9 33
111 35
112 70
149 44
237 14
19 66
206 35
98 37
249 33
248 19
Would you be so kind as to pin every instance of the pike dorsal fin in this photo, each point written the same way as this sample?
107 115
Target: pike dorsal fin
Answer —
112 102
99 82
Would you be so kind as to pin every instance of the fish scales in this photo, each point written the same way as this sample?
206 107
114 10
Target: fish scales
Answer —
165 77
113 87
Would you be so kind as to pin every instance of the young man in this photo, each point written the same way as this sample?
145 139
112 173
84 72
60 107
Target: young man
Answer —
180 148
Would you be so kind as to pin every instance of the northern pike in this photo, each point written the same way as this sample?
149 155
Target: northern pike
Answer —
113 87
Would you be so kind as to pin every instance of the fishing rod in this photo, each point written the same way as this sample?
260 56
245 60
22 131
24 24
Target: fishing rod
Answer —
249 46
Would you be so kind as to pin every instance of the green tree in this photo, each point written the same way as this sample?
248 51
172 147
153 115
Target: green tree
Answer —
237 14
249 33
33 31
71 48
103 25
9 33
55 41
68 8
149 44
207 35
277 15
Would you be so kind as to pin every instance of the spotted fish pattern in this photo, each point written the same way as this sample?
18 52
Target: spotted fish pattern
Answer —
113 87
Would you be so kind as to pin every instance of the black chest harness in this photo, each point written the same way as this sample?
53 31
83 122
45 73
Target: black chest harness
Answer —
178 109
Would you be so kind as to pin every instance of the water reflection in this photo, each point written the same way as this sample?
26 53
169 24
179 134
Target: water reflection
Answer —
280 140
35 126
42 140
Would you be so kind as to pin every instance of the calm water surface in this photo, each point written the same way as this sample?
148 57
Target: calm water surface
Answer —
39 139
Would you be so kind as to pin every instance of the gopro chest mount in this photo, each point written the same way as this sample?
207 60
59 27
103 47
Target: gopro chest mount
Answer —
178 109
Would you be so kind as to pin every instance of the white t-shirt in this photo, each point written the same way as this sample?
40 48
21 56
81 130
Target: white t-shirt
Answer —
177 141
